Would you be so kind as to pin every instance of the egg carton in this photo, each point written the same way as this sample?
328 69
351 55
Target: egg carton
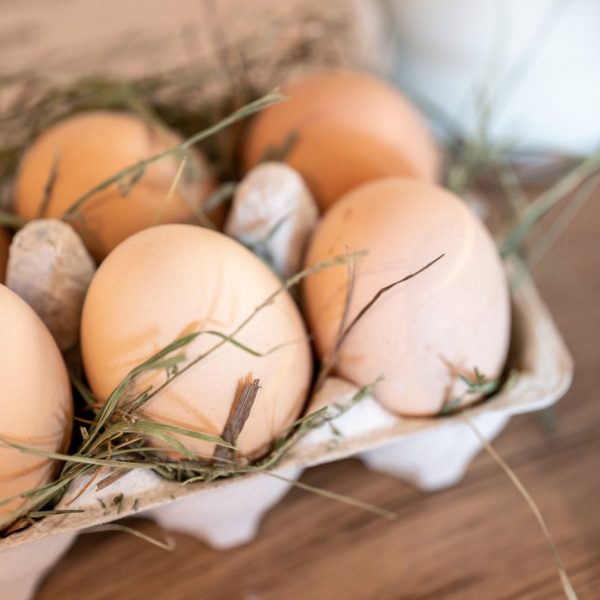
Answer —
429 453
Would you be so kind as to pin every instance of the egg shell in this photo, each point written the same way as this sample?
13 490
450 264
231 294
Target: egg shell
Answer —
347 128
423 333
51 270
4 246
74 155
36 407
173 280
274 212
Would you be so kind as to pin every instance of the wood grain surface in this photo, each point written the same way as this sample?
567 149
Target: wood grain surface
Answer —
478 540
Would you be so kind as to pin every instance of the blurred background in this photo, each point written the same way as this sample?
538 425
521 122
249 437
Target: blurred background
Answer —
534 67
522 78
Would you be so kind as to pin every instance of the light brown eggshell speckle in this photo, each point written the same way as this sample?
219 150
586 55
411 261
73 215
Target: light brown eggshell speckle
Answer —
171 280
422 334
348 128
35 399
86 149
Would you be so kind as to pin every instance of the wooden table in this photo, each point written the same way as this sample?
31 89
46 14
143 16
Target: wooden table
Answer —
477 540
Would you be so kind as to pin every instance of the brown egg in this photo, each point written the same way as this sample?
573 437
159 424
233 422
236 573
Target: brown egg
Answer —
172 280
73 156
346 128
36 407
4 246
424 333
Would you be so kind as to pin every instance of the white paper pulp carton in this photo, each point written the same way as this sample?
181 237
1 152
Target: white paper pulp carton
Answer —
428 453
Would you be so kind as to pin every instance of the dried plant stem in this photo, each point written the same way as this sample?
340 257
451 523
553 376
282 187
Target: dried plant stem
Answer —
556 229
237 419
512 188
544 203
474 157
71 458
376 510
169 544
12 220
38 514
350 283
380 293
564 578
329 361
171 192
136 171
222 194
87 485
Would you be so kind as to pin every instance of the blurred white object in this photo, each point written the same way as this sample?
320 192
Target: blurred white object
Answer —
435 459
430 460
274 214
539 60
230 516
223 517
23 567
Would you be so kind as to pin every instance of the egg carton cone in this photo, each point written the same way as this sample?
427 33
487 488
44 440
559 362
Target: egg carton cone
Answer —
430 453
227 517
434 460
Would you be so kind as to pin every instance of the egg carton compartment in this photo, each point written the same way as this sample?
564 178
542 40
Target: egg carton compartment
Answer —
429 453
